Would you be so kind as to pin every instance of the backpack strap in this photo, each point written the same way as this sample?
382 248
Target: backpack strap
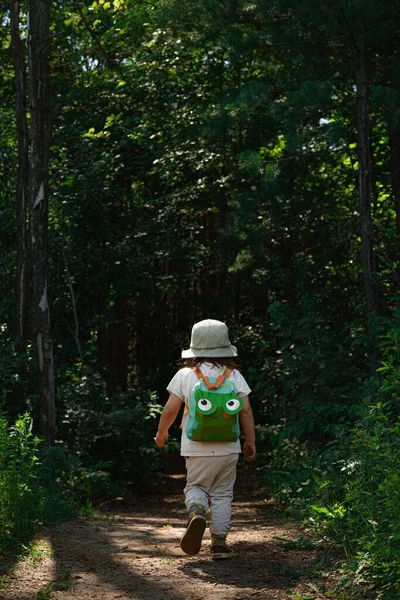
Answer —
219 381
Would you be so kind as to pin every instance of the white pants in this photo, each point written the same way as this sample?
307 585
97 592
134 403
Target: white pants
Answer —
209 482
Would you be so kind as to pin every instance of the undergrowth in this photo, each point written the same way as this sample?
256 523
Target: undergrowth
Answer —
349 491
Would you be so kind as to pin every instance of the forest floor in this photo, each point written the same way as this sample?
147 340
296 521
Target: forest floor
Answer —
132 553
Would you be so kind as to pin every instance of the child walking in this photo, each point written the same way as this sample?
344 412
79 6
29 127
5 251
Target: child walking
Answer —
216 400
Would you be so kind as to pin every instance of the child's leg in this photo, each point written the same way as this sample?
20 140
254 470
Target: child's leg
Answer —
209 478
221 494
196 500
197 483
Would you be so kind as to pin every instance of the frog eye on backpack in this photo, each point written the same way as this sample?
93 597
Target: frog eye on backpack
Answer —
205 407
233 406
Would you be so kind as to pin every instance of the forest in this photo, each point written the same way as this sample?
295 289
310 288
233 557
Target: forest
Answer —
167 161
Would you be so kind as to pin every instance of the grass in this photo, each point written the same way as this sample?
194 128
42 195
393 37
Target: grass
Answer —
316 592
32 552
293 574
35 551
300 544
60 585
45 592
4 581
7 561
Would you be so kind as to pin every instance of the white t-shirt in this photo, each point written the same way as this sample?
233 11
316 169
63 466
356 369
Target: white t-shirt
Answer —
182 385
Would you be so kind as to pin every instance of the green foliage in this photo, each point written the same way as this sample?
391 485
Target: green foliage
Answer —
314 370
300 544
349 487
29 494
108 440
18 377
359 507
36 550
288 471
21 496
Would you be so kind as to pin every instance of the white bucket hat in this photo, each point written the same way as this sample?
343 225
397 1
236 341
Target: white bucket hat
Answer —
210 339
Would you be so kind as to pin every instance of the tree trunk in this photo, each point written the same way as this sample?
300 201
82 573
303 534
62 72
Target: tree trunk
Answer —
23 172
39 16
365 189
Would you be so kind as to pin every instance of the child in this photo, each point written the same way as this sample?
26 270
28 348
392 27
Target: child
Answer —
210 465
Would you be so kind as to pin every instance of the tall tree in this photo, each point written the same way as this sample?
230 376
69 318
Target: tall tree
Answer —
23 169
41 117
365 189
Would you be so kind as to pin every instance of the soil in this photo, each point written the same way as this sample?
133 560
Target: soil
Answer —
132 553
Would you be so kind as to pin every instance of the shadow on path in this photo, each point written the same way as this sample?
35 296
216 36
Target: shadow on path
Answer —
133 553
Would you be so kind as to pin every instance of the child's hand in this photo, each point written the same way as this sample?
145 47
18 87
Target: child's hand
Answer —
160 439
249 451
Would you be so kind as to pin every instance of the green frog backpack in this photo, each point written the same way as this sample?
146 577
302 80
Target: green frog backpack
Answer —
214 409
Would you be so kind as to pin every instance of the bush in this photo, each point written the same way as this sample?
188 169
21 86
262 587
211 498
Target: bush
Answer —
311 381
359 507
108 440
21 495
348 487
18 378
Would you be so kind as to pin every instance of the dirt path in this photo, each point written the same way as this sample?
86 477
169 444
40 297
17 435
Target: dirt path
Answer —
134 554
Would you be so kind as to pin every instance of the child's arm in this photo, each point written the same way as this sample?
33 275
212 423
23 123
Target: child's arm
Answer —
247 425
168 416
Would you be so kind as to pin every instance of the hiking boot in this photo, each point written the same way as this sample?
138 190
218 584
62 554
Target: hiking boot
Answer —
219 548
193 536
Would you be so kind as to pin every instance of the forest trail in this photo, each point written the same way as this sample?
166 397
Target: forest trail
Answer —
133 554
